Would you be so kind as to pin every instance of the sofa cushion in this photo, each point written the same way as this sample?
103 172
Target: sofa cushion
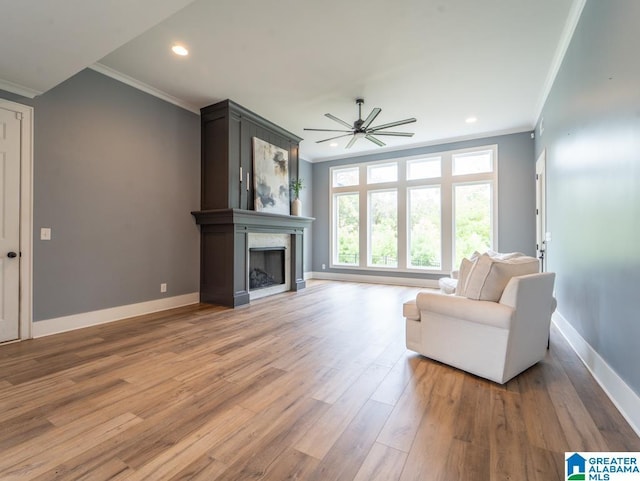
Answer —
489 276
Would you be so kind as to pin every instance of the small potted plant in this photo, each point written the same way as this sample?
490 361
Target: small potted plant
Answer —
296 186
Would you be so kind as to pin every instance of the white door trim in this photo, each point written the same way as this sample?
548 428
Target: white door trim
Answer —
541 208
26 213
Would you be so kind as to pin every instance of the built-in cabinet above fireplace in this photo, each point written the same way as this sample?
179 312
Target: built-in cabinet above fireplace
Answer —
227 154
227 217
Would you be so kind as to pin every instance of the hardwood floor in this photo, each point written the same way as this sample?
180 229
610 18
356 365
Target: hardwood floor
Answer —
315 385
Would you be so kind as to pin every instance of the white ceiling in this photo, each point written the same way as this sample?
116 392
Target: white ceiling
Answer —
291 61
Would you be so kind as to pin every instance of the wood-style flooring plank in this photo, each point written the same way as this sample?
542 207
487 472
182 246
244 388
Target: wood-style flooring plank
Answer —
292 464
350 450
319 439
275 434
400 430
381 464
428 456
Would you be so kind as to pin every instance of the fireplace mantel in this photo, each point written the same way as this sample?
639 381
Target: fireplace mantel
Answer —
224 251
252 219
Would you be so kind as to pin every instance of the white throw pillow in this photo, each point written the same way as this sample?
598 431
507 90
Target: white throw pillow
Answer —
463 274
503 256
489 276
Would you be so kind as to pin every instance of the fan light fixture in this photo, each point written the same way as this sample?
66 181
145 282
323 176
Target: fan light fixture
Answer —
361 129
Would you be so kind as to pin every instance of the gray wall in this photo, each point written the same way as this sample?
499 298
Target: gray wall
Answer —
116 174
592 141
305 172
516 191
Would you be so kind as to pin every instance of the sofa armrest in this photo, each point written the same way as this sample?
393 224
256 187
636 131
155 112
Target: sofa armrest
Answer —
482 312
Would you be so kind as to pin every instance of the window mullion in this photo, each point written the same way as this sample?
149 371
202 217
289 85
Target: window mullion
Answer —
446 211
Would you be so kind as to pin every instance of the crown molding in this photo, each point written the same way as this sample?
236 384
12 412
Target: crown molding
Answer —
567 34
119 76
18 89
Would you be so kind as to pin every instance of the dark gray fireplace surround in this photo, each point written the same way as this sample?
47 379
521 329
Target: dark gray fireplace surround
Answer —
227 218
224 248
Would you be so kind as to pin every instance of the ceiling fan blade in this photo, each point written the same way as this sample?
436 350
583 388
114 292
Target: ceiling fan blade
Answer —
351 142
398 134
332 138
392 124
378 142
372 116
340 121
328 130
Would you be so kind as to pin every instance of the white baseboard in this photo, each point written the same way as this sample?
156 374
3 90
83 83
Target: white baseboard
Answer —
624 398
86 319
395 281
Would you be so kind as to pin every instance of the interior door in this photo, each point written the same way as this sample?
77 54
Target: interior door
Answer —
10 127
541 222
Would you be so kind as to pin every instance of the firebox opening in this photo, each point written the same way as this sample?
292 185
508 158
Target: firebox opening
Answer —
266 267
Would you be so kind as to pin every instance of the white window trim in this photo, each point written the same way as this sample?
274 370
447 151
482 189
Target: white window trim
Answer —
447 181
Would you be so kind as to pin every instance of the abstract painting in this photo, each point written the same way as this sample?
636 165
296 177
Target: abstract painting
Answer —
270 178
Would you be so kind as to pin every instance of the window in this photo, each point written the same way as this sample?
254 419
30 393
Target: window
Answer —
472 219
383 228
423 169
425 232
472 163
346 241
382 173
345 177
421 213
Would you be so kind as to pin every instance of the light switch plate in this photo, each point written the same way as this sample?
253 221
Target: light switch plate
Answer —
45 233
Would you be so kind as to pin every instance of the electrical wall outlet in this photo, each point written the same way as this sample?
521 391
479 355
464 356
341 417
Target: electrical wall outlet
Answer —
163 287
324 266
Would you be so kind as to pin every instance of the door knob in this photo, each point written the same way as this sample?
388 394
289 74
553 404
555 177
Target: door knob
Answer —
12 255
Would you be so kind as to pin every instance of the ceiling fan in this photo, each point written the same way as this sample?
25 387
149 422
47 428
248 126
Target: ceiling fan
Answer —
361 129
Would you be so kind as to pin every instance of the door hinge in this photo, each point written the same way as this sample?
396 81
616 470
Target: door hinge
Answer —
19 115
537 212
537 176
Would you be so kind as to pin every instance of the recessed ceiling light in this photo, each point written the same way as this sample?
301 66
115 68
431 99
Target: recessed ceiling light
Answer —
180 50
333 144
471 120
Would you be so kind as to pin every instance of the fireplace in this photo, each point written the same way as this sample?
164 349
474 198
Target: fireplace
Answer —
266 267
226 235
269 263
227 218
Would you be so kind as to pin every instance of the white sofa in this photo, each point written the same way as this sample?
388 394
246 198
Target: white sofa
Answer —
493 340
